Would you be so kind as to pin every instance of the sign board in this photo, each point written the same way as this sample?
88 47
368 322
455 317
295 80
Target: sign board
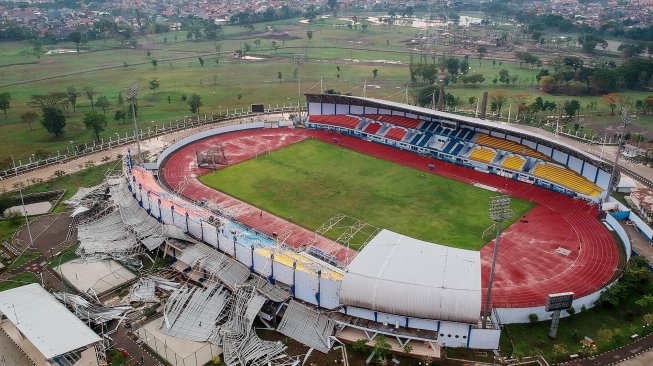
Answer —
258 108
560 301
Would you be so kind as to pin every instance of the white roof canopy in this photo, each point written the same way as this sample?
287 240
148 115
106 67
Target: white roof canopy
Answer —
400 275
44 321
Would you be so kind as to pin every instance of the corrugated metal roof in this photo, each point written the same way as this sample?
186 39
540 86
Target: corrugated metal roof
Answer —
44 321
400 275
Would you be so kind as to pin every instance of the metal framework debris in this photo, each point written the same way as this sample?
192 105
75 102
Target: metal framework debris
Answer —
307 326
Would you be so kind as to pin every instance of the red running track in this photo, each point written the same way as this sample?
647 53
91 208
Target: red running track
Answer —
557 246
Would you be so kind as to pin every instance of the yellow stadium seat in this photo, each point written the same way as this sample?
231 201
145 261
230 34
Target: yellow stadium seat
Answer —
514 162
510 146
568 178
483 155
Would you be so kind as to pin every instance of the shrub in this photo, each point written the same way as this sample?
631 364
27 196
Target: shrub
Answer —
533 318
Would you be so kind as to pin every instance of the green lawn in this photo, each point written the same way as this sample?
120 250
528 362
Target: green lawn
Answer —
312 181
18 280
64 256
25 258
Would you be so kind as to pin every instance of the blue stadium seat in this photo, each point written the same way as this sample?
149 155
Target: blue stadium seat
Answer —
450 145
425 138
457 149
415 139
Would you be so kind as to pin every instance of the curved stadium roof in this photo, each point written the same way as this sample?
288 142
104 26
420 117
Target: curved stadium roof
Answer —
400 275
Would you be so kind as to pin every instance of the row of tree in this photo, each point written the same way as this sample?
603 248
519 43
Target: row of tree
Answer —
569 75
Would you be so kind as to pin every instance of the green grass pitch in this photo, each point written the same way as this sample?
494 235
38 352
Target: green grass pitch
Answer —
311 181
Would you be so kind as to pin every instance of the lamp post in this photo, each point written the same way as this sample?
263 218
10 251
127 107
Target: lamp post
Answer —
131 97
499 212
625 121
299 60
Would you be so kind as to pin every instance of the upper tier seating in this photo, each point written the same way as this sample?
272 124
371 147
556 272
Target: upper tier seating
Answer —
514 162
395 120
568 178
429 126
483 155
396 133
510 146
372 128
336 120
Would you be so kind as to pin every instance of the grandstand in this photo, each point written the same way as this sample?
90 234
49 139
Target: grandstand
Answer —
513 162
339 121
401 121
396 133
510 146
483 155
567 178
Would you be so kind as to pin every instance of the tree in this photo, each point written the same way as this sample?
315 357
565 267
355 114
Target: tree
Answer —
504 76
96 123
48 100
648 319
195 102
279 75
547 84
499 97
611 100
381 347
154 84
53 120
77 38
5 102
481 51
5 203
72 93
571 107
29 117
309 34
589 42
155 63
90 94
103 103
375 73
201 60
360 345
333 5
571 311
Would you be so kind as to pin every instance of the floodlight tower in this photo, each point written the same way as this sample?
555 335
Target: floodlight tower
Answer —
499 212
625 121
131 97
299 60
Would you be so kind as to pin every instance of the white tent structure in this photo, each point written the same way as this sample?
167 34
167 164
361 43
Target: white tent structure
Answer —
397 274
55 332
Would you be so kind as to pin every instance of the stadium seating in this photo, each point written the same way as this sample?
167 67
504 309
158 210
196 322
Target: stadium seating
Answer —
395 120
483 155
566 177
396 133
429 126
340 121
372 128
510 146
425 139
514 162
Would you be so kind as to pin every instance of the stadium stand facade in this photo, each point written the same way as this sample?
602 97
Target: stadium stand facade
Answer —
478 144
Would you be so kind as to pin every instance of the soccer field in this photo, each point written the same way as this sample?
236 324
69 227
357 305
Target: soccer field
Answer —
312 181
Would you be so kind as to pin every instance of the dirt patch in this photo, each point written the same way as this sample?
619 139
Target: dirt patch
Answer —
285 36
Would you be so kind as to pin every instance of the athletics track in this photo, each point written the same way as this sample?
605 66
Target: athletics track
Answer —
533 260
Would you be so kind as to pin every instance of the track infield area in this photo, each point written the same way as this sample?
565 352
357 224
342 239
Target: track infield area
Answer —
311 181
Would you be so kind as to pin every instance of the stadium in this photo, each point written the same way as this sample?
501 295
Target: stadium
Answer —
372 219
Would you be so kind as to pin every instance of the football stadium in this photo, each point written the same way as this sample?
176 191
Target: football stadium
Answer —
367 218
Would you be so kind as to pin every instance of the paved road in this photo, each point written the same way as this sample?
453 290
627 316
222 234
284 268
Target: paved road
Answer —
636 353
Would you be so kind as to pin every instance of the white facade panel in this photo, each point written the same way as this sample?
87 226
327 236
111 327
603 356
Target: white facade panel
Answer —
244 255
513 138
262 265
283 273
329 293
356 109
328 108
384 111
210 234
576 165
342 108
195 228
560 157
603 179
528 143
498 134
370 110
589 171
484 338
314 108
306 287
544 150
453 334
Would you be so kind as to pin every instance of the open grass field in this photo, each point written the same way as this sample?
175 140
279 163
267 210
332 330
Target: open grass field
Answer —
231 82
18 280
312 181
